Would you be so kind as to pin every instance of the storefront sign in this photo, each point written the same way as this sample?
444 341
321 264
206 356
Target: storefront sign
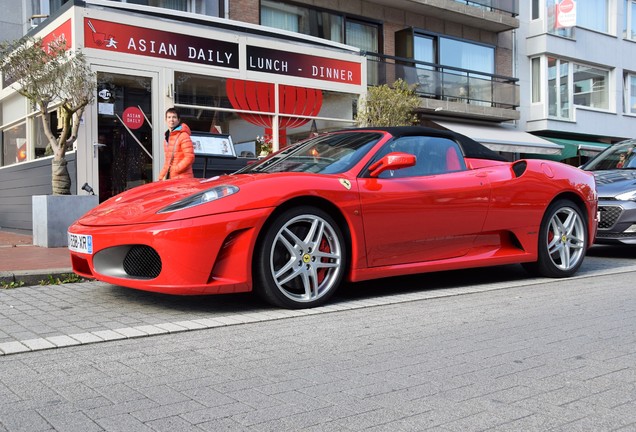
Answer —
122 38
133 117
302 65
61 33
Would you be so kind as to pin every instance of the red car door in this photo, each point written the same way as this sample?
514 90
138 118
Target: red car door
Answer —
412 217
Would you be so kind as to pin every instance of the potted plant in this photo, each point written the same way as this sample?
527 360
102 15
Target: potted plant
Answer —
52 78
264 146
386 106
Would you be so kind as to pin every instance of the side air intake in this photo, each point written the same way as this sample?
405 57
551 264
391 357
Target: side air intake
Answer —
519 168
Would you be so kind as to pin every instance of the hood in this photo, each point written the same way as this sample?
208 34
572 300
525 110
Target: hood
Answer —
141 204
610 183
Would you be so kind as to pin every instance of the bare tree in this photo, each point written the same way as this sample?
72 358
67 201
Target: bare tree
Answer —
51 76
389 106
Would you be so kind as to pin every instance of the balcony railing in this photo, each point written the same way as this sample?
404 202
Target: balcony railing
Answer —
445 83
507 6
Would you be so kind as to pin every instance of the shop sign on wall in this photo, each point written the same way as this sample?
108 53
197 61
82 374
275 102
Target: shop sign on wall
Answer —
63 32
122 38
302 65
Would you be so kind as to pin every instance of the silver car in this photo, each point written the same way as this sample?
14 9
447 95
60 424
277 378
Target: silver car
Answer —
615 172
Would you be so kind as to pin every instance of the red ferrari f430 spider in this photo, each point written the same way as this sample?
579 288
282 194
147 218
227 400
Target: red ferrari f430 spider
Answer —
349 205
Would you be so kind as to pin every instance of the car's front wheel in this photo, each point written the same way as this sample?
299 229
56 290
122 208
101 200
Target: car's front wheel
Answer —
563 240
301 259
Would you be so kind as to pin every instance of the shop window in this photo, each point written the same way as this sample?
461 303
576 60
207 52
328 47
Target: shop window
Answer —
205 106
40 141
324 24
14 144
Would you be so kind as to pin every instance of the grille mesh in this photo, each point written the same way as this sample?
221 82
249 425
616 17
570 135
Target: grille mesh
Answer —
609 216
142 261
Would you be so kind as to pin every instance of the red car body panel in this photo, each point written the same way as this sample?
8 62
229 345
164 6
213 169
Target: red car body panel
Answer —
484 215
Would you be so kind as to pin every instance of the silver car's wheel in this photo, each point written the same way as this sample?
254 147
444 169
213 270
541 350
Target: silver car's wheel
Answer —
303 259
563 240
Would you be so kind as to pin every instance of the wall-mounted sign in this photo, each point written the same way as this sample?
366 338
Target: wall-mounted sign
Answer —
565 14
303 65
122 38
63 32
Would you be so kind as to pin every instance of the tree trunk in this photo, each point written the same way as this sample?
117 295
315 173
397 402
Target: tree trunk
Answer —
61 179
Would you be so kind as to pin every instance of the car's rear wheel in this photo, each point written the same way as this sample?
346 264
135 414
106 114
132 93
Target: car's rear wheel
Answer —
563 241
301 260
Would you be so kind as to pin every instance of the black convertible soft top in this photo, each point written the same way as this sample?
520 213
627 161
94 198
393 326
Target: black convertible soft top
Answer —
471 148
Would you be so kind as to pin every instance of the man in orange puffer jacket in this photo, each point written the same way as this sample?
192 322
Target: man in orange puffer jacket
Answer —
179 152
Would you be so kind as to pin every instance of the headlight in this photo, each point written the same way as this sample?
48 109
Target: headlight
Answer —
201 198
627 196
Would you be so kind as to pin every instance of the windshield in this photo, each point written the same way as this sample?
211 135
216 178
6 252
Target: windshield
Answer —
618 156
325 154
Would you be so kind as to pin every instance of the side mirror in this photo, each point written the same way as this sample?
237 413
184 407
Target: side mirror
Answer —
392 161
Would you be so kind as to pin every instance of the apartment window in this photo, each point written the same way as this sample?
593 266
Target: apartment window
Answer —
584 85
593 14
536 79
558 85
629 19
590 86
535 9
630 96
324 24
203 7
466 55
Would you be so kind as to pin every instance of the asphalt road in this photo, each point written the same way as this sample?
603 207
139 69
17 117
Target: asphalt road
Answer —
487 349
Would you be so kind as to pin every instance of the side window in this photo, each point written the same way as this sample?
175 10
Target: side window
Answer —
435 155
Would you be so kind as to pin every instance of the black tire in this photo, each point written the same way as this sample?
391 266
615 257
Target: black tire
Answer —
563 241
301 260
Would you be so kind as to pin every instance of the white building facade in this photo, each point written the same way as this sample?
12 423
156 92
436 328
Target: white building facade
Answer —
577 71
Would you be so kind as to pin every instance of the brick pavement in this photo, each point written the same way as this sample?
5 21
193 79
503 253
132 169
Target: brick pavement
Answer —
553 356
21 260
42 317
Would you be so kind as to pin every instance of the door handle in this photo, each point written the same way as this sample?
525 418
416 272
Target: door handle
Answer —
96 146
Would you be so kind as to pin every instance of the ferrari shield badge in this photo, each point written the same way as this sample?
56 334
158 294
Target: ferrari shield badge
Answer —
346 183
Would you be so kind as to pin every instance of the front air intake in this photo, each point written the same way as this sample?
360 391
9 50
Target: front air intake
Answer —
142 262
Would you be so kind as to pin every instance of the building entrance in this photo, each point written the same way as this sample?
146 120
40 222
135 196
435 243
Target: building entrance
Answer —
124 132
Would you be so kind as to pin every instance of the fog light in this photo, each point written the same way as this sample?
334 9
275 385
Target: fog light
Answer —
631 229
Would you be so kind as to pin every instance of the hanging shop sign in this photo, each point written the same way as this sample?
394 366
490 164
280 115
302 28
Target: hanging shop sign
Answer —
122 38
133 117
268 60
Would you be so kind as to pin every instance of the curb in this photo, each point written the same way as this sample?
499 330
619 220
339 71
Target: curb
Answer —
32 277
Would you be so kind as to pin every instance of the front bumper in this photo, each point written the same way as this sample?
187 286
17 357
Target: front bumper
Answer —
617 222
205 255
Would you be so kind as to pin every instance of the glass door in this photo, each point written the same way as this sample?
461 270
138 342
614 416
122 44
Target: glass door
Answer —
123 148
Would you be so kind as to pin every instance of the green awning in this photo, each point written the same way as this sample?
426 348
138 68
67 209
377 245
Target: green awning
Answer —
573 148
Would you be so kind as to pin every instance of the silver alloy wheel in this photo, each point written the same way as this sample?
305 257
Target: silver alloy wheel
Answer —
306 258
566 238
